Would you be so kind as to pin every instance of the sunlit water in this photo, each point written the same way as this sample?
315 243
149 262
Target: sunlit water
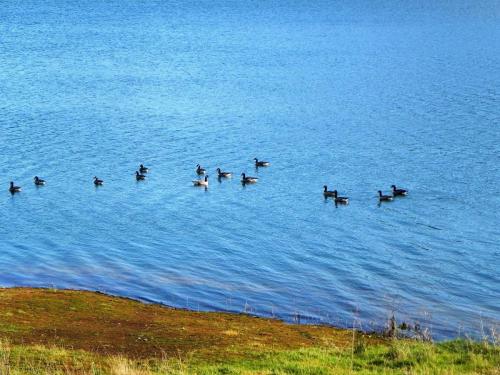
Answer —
349 94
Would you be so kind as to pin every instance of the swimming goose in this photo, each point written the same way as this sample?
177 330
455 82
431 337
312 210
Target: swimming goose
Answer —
38 181
223 174
200 170
139 176
398 192
203 182
97 182
383 197
341 200
327 193
261 163
248 180
14 189
143 169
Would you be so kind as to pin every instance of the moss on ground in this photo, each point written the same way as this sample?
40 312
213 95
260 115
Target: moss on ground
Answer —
103 324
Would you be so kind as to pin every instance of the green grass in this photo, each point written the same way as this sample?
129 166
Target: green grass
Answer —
395 357
398 357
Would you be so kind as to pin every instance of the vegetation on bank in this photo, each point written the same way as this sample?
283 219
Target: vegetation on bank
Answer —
72 332
398 357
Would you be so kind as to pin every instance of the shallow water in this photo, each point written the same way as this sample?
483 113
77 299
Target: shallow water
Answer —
354 95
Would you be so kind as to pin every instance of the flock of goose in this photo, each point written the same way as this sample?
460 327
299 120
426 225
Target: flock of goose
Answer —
382 197
140 175
221 174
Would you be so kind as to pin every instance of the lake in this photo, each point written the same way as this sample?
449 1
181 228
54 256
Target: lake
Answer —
354 95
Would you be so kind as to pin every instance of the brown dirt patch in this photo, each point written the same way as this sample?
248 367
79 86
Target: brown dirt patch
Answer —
112 325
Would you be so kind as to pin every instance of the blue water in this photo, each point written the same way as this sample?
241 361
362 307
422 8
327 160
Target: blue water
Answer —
354 95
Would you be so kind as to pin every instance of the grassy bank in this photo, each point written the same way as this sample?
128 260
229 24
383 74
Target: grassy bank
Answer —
71 332
398 357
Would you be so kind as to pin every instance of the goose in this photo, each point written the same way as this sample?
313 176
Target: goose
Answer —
38 181
248 180
97 182
383 197
139 176
143 169
327 193
200 170
261 163
224 174
398 192
341 200
14 189
203 182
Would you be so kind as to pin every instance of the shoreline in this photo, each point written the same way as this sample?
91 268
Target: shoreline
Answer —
302 320
307 320
93 321
62 331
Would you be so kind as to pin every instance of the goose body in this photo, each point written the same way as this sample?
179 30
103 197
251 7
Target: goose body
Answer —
398 192
38 181
13 188
261 163
248 180
341 200
143 169
98 182
384 198
203 182
327 193
222 174
200 170
139 176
